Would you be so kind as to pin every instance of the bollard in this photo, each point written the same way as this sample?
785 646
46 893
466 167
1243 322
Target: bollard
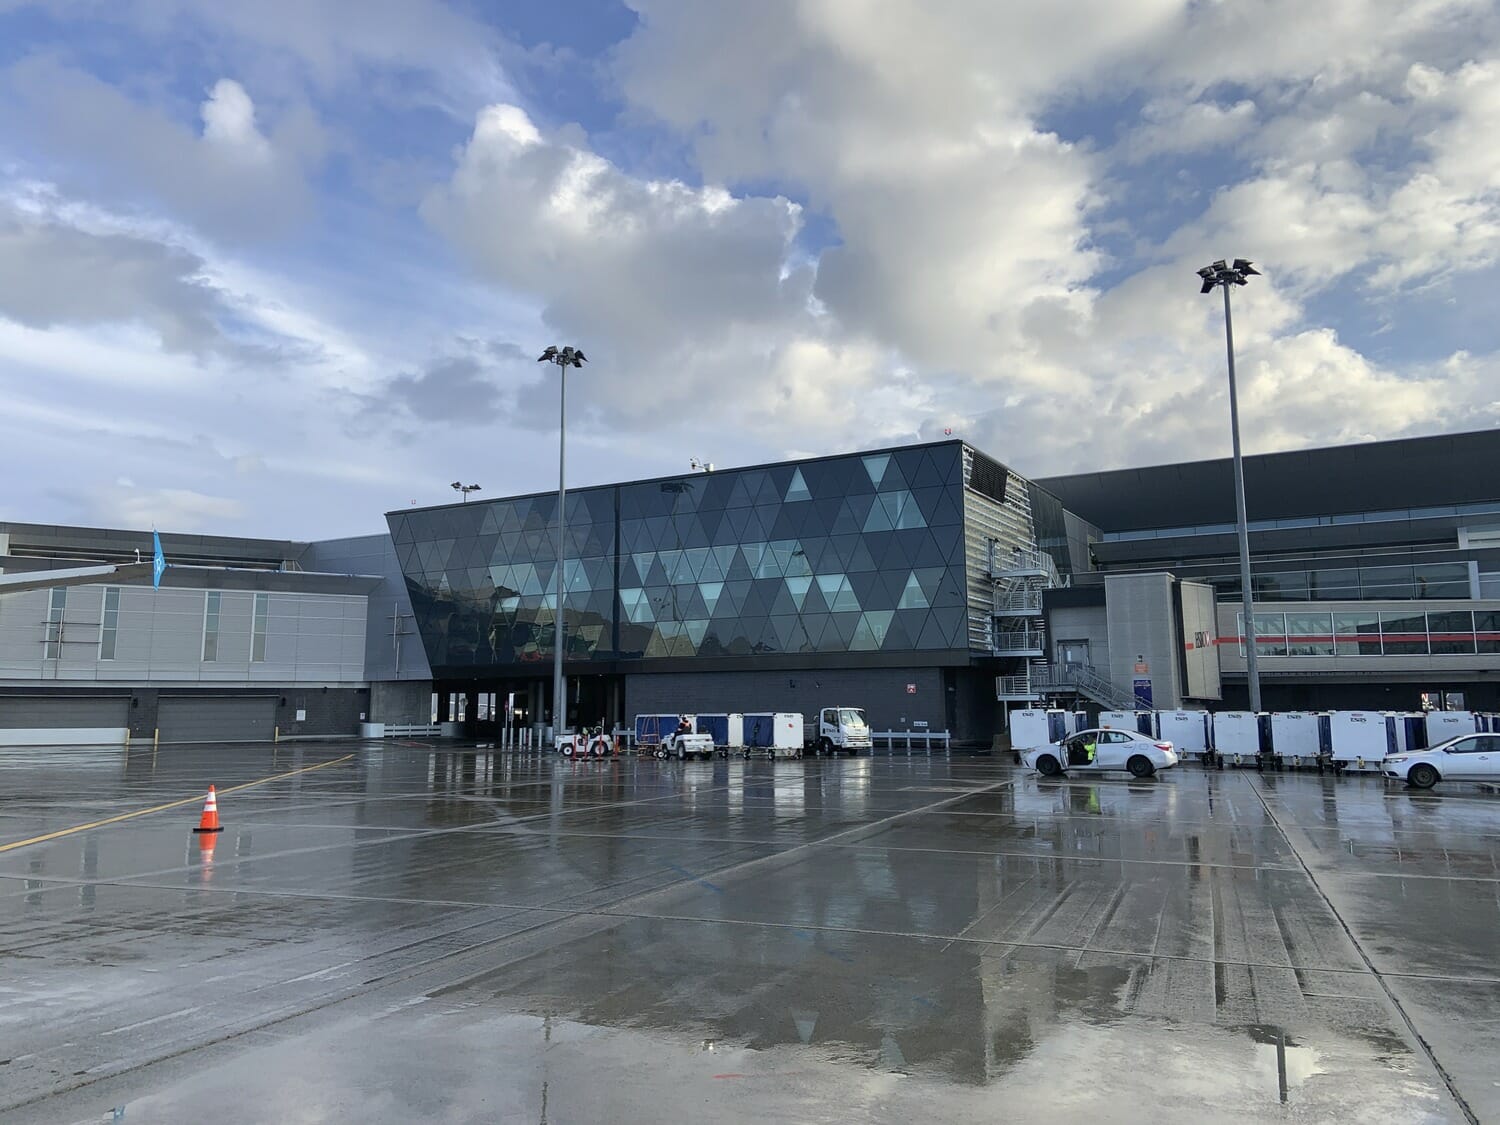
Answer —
155 738
127 739
275 734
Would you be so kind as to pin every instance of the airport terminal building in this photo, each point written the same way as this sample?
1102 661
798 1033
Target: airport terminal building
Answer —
929 584
1375 570
866 580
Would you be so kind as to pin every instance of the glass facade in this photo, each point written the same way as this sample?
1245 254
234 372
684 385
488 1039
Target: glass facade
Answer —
852 554
1384 633
1334 583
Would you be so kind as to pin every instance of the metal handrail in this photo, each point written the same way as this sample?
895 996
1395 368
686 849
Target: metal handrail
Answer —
1020 640
1014 601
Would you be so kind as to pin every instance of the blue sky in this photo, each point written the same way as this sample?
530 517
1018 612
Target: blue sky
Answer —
280 268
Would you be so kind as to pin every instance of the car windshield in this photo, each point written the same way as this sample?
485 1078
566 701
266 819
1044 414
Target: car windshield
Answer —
852 717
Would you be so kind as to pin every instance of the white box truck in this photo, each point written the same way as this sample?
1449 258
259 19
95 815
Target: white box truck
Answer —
837 730
1359 739
1295 739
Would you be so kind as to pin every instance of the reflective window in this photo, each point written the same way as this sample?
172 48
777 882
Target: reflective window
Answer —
258 627
1283 586
1442 580
1403 634
855 553
1487 631
1270 633
1309 634
211 625
1356 634
57 604
109 623
1451 634
1336 584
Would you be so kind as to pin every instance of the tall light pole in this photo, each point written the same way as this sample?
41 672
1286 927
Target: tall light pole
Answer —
564 358
460 486
1219 275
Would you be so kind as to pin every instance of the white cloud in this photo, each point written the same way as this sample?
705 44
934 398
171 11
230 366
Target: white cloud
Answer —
229 179
229 122
1172 125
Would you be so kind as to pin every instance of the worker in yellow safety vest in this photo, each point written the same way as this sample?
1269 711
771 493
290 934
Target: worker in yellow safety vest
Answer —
1088 750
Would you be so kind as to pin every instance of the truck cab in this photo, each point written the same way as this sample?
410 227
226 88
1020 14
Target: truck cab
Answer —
839 730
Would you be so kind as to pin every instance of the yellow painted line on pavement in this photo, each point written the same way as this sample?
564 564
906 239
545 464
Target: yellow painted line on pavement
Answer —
61 832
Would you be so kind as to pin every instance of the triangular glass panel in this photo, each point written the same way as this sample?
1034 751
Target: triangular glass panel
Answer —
710 592
879 518
876 465
913 596
798 587
933 637
695 631
797 490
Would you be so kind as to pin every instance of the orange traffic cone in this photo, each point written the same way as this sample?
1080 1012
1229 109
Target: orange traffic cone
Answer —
209 821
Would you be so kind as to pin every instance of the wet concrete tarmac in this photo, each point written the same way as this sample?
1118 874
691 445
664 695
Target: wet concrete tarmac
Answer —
413 934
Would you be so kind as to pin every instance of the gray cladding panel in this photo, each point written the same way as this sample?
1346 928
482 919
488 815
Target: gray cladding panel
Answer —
311 637
28 712
216 720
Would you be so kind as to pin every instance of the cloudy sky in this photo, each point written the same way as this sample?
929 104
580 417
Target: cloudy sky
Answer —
277 268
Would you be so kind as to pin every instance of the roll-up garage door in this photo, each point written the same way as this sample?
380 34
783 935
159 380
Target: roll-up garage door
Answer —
188 719
36 712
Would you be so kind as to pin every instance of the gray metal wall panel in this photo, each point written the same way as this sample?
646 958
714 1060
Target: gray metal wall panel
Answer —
31 712
1142 628
311 638
1080 623
392 648
216 720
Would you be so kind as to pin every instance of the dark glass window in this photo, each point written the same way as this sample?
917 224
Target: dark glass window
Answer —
1309 634
1280 586
1442 580
1451 634
1331 585
1403 634
1357 634
1270 633
1487 631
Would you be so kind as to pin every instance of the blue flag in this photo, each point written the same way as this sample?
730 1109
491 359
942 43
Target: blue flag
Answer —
158 561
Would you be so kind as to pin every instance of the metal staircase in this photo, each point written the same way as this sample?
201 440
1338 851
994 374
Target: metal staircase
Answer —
1087 681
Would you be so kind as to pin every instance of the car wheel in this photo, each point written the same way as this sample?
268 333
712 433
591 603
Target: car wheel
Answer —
661 752
567 749
1140 766
1422 776
825 748
1048 766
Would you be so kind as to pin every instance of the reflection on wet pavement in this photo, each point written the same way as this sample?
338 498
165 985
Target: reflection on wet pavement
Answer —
426 934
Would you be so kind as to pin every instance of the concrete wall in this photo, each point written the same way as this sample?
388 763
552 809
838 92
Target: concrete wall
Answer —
881 692
1200 631
1139 610
405 702
1079 623
310 638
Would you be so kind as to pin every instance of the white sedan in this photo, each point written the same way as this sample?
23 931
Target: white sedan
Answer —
1095 751
1469 757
